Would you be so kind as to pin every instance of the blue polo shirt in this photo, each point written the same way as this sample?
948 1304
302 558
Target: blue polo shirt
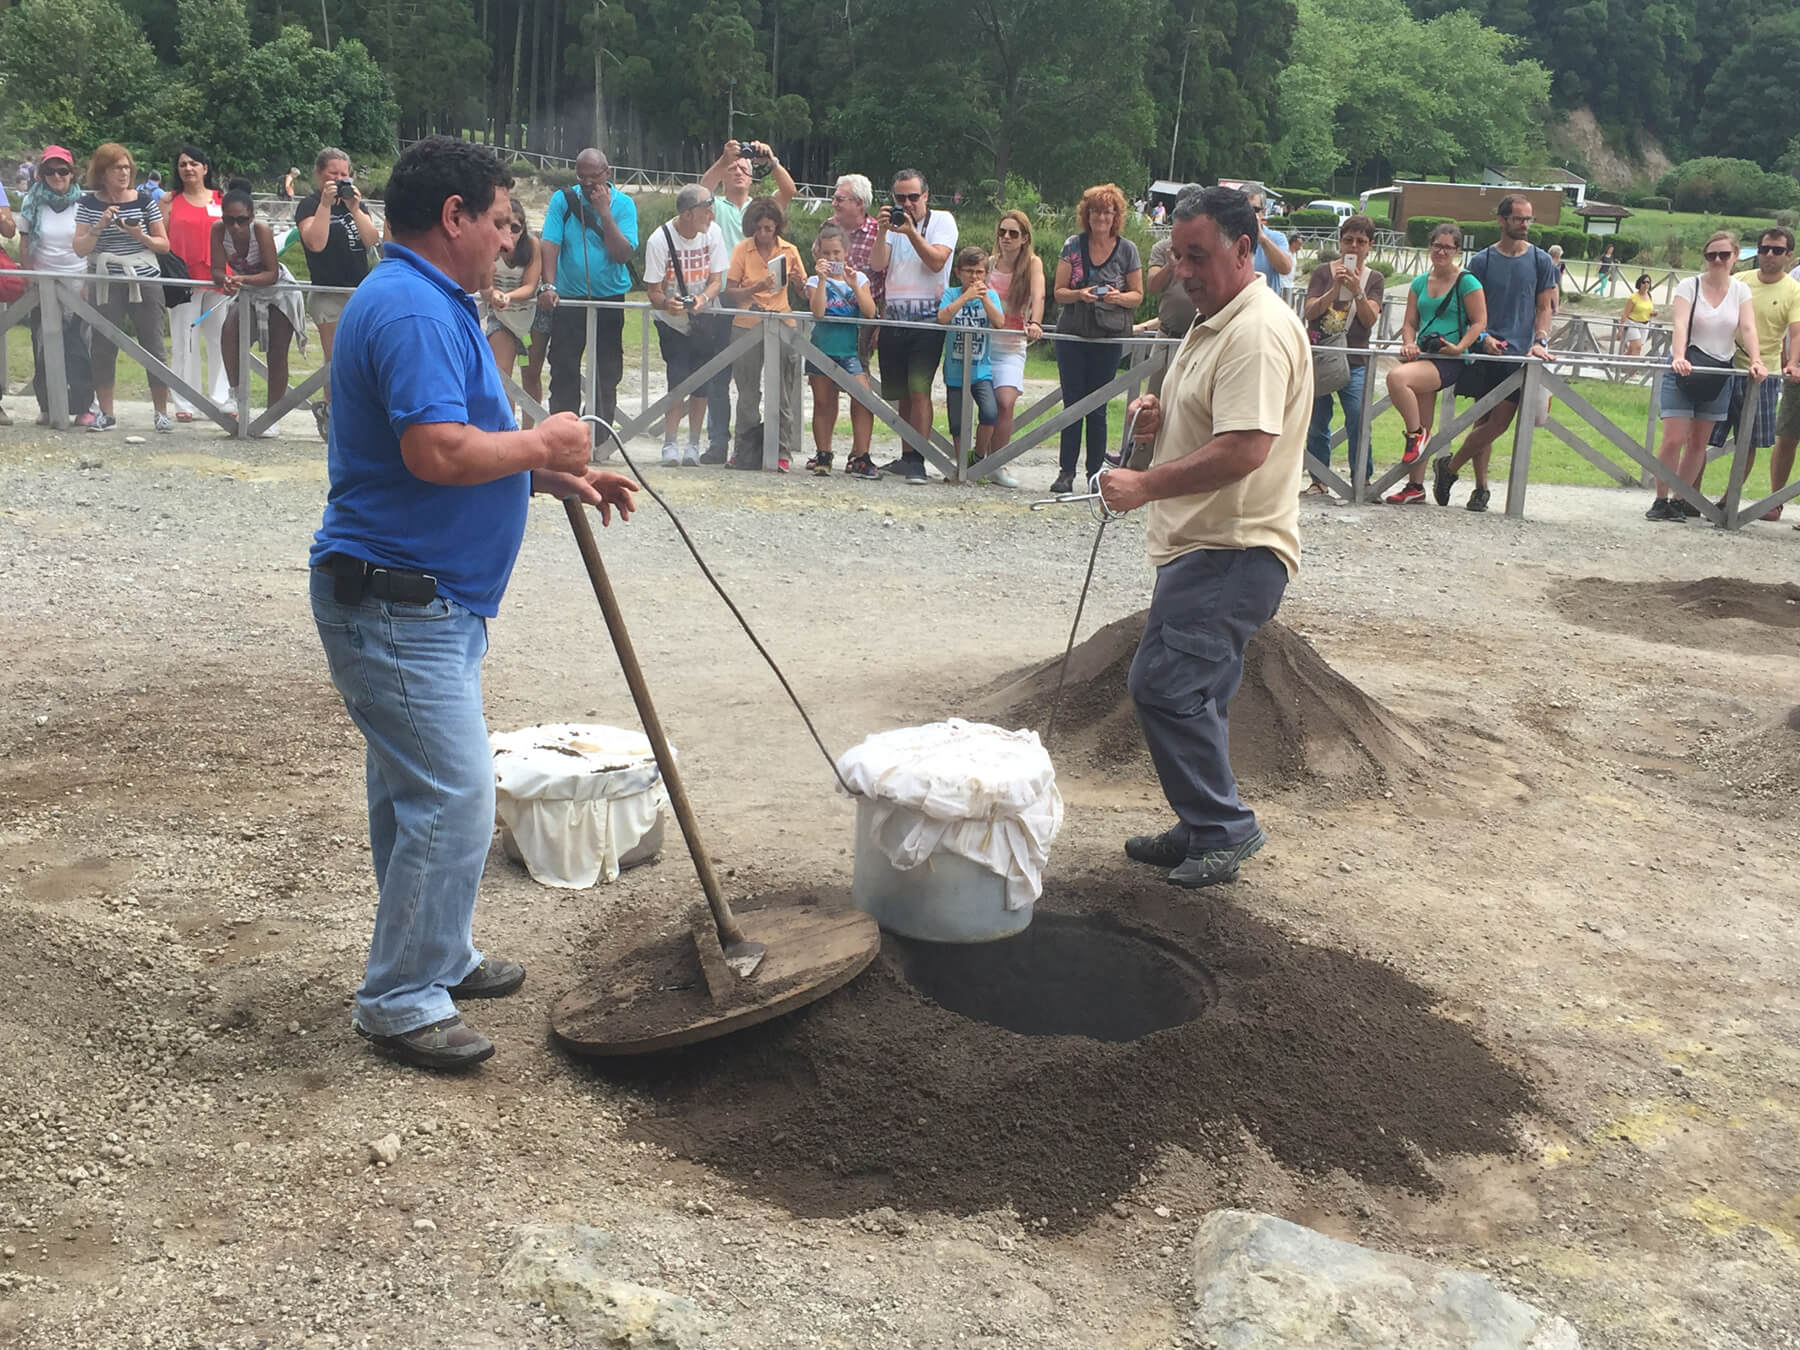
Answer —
584 269
408 350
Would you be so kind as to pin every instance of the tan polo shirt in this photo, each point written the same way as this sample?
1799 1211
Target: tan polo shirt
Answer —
1247 368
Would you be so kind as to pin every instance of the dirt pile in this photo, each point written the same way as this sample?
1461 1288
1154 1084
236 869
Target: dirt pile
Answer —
1294 721
879 1096
1718 613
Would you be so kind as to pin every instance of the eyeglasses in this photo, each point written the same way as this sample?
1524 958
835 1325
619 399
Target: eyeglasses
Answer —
1772 250
1443 248
843 196
908 196
1718 255
1005 233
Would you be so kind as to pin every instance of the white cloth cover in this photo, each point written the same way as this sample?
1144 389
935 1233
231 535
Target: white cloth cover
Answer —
577 797
978 791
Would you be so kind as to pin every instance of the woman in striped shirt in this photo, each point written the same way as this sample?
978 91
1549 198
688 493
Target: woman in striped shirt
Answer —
120 232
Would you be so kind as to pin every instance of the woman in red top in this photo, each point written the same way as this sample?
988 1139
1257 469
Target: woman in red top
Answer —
191 213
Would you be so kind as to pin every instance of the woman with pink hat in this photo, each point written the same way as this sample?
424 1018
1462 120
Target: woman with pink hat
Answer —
47 244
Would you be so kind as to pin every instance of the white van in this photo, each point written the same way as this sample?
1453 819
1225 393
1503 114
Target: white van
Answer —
1342 210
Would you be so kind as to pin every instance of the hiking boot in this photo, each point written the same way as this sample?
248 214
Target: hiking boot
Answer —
1216 864
1478 500
1064 484
1443 478
1407 495
493 978
450 1044
861 466
1411 447
1163 850
820 465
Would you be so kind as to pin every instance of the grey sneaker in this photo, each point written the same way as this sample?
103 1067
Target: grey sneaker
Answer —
1216 864
690 457
671 456
102 422
493 978
162 423
322 420
1478 500
1163 850
450 1044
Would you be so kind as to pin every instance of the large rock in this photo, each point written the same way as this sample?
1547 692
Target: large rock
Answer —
575 1271
1262 1283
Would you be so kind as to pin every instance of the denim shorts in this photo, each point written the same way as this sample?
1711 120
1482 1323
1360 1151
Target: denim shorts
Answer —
852 364
987 411
1674 401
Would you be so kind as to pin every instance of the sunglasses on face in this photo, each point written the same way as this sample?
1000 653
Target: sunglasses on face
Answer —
235 220
55 171
908 196
1772 250
1005 233
1718 255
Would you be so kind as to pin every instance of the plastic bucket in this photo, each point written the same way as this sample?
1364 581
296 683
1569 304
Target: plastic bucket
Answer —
947 898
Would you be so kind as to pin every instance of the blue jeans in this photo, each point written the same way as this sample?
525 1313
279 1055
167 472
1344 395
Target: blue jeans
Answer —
1318 436
410 676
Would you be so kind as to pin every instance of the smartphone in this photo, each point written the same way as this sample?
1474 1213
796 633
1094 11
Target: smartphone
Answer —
1102 290
778 270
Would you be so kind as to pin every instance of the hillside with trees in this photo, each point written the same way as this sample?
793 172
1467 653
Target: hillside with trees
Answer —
1041 96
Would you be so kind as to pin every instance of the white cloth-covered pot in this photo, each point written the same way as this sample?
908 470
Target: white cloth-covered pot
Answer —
576 798
978 791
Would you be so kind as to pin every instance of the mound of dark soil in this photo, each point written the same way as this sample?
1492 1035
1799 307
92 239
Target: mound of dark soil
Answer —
1294 720
1718 613
879 1096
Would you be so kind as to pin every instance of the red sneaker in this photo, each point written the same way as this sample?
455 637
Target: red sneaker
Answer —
1411 447
1406 496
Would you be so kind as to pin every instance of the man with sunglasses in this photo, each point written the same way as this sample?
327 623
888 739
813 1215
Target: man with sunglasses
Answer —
1775 296
1519 281
914 244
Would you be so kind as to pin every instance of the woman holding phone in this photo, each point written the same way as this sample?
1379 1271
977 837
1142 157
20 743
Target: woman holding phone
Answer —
1343 303
761 268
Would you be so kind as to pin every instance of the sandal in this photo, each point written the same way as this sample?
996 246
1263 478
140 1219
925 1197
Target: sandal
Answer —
1315 489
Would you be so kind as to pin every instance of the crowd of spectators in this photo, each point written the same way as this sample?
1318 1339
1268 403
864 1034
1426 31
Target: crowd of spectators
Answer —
883 282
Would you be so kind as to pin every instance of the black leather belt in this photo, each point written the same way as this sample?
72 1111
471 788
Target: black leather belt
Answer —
354 578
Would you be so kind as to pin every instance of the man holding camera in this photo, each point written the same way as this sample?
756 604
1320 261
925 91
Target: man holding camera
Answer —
684 271
1274 262
590 233
1518 281
732 179
914 244
335 234
430 484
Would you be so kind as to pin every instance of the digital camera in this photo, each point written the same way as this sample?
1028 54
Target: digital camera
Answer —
1432 342
896 216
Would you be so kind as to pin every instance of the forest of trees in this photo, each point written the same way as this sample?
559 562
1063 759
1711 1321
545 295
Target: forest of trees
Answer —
1042 96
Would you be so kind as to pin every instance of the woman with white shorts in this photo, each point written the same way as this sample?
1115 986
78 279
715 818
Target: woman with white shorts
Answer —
1017 273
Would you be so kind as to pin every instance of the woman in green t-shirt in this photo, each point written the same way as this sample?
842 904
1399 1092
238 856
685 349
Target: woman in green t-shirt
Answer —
1445 313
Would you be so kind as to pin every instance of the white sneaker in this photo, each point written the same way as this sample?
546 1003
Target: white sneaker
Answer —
1003 479
690 457
162 423
671 457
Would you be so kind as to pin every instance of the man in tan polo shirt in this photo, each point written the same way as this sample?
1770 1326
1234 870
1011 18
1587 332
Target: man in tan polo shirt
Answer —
1224 536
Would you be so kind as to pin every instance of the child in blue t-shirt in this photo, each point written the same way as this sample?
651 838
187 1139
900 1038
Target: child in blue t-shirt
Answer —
838 292
970 320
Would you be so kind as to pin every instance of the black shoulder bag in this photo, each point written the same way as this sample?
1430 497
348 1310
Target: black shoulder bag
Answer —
583 210
171 267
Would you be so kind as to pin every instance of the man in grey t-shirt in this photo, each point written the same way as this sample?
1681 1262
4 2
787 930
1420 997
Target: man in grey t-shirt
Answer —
1519 281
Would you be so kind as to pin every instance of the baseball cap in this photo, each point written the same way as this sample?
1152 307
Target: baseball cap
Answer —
57 152
691 196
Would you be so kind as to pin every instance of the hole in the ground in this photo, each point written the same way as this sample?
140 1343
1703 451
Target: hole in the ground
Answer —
1065 975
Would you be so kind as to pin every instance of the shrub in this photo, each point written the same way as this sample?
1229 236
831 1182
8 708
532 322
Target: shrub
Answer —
1625 248
1672 248
1419 228
554 178
1311 220
1732 186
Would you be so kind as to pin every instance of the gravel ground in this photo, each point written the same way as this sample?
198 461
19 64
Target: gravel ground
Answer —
1595 881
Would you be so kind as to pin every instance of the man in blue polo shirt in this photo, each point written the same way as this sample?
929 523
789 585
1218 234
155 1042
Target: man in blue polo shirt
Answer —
430 478
590 232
